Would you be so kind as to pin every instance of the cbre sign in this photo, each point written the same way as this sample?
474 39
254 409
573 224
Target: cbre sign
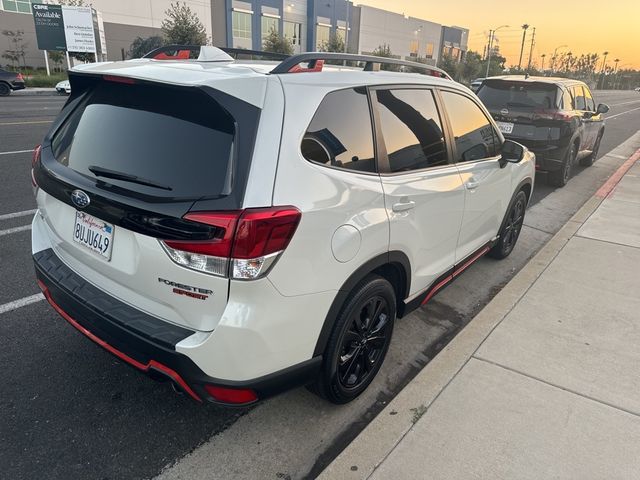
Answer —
59 27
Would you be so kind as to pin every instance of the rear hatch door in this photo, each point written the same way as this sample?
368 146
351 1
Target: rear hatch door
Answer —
122 165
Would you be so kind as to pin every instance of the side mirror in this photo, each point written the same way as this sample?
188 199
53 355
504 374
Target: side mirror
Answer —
511 152
602 108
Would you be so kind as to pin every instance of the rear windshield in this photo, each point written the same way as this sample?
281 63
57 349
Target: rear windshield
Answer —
496 95
160 141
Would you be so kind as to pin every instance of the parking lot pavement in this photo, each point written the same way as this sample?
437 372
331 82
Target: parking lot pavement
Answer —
548 378
70 410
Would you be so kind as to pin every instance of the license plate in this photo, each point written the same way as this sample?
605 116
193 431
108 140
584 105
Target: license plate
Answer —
505 127
94 234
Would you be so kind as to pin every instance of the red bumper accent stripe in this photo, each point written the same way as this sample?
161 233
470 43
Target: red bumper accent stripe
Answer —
469 262
175 376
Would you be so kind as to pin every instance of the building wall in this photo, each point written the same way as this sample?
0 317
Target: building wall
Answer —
408 37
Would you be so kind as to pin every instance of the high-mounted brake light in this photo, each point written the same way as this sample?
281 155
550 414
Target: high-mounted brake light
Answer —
246 243
117 79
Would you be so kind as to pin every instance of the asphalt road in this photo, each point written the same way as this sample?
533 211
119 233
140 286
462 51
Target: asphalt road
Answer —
68 409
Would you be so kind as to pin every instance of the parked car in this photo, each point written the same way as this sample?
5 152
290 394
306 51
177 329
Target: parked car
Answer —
243 231
475 84
10 81
63 87
556 118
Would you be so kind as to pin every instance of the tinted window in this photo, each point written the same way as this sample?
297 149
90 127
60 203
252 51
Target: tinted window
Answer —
578 98
411 129
473 133
507 94
340 132
591 105
567 100
180 140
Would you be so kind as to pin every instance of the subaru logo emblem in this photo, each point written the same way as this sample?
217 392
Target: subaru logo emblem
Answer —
504 111
80 199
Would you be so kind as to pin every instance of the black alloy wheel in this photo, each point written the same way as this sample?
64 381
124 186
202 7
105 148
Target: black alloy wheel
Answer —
4 89
359 341
511 227
561 177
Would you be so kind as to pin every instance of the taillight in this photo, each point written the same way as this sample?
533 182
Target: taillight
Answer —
246 243
35 159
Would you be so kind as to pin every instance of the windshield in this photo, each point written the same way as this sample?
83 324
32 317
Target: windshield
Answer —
156 140
497 95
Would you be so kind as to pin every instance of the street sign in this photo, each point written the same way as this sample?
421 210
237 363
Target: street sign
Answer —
64 28
78 29
49 27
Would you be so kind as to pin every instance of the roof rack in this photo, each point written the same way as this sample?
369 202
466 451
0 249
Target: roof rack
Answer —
194 52
372 63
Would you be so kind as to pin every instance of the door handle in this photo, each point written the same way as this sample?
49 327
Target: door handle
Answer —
471 185
403 206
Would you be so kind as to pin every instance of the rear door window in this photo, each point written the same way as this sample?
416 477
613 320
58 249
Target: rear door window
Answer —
340 134
474 135
567 100
578 98
149 139
412 129
591 105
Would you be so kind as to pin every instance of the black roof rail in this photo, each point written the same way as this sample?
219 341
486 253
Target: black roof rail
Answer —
194 51
238 53
372 63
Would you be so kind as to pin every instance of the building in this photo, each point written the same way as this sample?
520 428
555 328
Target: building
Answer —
307 23
454 42
124 20
408 38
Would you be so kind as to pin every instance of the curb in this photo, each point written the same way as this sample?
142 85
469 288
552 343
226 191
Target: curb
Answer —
372 446
32 93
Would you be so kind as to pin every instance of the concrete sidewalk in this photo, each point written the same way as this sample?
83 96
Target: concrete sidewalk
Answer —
545 381
32 91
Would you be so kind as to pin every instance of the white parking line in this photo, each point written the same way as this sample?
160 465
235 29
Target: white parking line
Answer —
618 114
8 307
6 216
27 123
17 151
15 230
624 103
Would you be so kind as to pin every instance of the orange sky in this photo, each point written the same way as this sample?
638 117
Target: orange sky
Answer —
584 25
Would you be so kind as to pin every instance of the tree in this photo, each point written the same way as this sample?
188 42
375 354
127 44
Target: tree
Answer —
276 43
141 46
334 44
384 51
182 26
19 50
497 65
471 67
57 58
449 65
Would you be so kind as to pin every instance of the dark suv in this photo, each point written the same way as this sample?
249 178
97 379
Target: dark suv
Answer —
10 81
557 118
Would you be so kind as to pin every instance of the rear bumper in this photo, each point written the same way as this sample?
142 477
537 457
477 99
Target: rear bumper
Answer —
145 342
549 156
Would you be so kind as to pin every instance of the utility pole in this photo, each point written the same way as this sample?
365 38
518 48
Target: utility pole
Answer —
524 36
491 33
533 42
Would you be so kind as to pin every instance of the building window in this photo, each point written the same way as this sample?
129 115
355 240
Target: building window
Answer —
20 6
322 35
429 51
268 24
241 24
413 48
293 31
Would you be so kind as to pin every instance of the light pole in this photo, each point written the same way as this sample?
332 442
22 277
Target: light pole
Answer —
524 36
553 58
492 34
615 73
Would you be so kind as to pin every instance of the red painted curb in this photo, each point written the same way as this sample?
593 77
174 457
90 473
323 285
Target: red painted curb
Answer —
606 189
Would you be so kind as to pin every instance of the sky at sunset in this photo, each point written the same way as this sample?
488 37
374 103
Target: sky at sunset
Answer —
586 26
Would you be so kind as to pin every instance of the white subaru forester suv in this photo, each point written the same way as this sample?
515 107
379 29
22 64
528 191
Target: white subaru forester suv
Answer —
243 227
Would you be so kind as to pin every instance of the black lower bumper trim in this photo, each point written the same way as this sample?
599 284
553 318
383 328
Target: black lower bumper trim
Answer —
143 341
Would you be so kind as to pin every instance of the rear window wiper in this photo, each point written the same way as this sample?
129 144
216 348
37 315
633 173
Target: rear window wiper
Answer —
105 172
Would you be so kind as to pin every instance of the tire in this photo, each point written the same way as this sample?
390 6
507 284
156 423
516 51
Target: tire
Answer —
359 341
4 89
559 178
588 161
511 228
